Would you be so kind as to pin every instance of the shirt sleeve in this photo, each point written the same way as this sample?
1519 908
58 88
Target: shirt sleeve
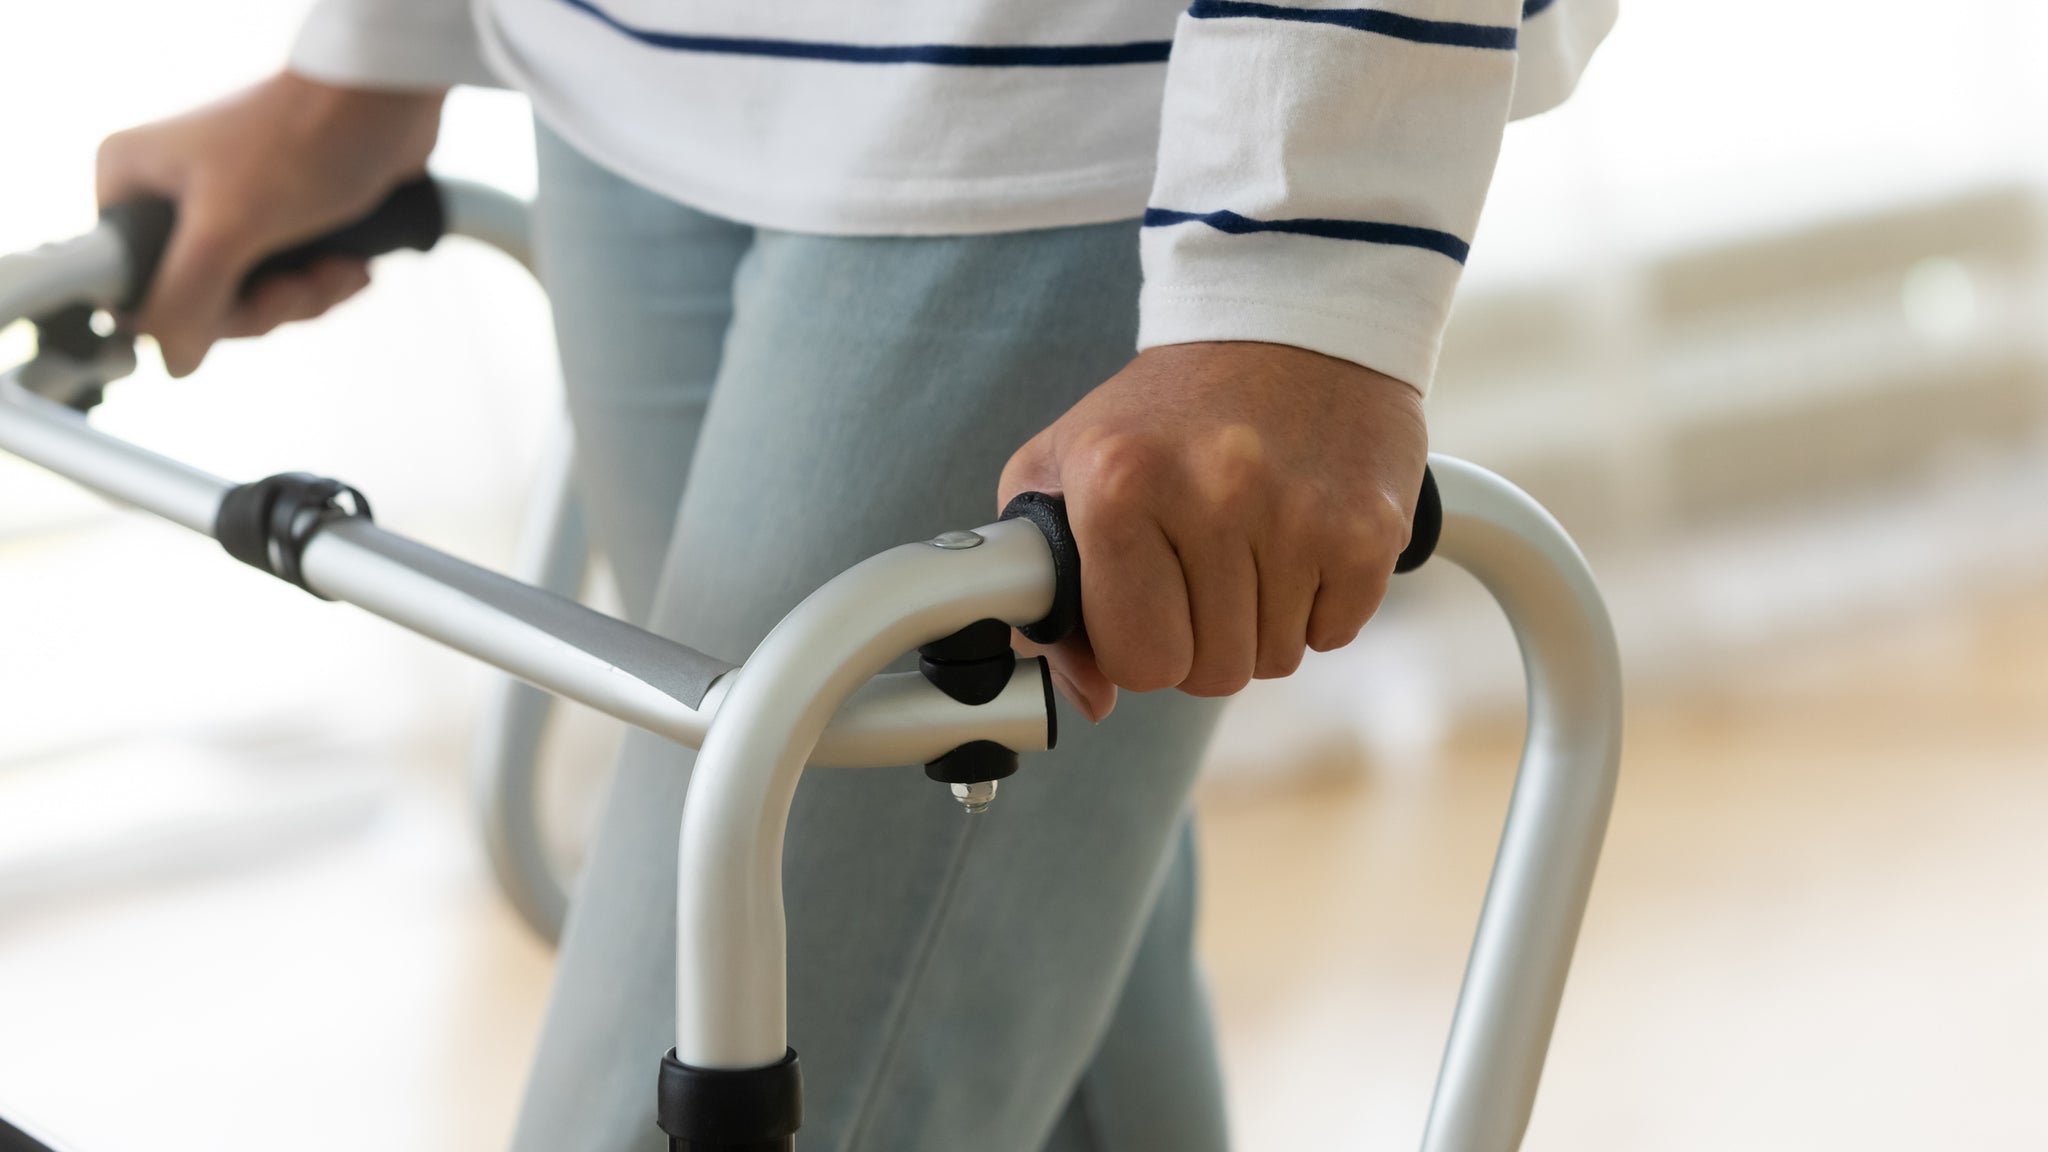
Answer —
399 44
1321 169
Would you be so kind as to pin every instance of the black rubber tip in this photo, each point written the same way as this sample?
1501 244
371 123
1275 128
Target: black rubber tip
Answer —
727 1109
1429 525
1049 514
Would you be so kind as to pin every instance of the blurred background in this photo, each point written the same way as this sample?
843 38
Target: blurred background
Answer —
1759 315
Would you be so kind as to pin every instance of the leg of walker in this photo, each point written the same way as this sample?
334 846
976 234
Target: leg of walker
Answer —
732 1084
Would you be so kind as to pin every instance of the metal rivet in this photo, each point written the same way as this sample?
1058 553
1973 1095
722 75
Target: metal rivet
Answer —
954 541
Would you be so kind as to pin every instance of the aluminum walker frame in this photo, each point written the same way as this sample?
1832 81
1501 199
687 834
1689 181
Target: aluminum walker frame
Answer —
814 692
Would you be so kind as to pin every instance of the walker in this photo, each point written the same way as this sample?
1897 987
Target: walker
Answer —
814 692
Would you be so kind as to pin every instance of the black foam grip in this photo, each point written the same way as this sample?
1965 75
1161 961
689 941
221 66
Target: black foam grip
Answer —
412 216
145 229
1049 515
1429 524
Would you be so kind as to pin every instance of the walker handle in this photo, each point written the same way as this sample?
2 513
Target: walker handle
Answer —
412 216
1049 514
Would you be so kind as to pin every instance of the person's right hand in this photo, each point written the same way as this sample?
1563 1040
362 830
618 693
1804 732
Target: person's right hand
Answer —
268 168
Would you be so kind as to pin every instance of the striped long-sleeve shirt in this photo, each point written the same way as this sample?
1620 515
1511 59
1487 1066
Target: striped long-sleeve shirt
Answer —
1308 173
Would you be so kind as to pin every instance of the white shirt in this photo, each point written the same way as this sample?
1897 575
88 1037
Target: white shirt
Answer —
1308 174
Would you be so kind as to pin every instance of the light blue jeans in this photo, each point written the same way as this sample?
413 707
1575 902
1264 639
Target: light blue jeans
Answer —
755 412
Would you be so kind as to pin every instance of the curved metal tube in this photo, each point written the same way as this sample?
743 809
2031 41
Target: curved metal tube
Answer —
92 268
731 963
489 215
810 691
1556 821
731 1008
570 650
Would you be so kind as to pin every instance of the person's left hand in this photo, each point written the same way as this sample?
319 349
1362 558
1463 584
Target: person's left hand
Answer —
1234 504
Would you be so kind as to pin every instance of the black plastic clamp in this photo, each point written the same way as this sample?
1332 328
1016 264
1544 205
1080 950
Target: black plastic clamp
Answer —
972 665
730 1109
267 523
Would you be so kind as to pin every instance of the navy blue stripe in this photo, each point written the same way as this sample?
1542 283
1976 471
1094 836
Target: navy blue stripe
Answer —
1365 20
952 55
1533 7
1364 230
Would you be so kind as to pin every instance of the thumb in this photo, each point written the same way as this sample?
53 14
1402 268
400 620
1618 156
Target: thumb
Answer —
1074 673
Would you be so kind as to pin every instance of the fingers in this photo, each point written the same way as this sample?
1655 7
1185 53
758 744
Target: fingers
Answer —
1074 673
125 168
197 298
283 160
1072 663
1287 595
1359 561
188 304
277 300
1223 613
1234 507
1193 581
1135 602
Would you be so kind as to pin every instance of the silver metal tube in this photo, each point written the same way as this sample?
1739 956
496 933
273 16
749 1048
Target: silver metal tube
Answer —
1556 821
59 439
544 639
497 218
731 1010
731 964
91 269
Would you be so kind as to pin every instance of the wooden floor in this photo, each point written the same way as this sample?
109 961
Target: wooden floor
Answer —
1821 922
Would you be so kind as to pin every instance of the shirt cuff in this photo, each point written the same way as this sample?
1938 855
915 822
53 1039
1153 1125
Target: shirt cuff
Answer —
1383 307
393 44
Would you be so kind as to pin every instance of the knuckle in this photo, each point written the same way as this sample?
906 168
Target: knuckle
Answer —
1368 542
1117 471
1230 466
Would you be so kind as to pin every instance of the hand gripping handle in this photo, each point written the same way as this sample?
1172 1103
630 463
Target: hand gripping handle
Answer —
1049 514
412 216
